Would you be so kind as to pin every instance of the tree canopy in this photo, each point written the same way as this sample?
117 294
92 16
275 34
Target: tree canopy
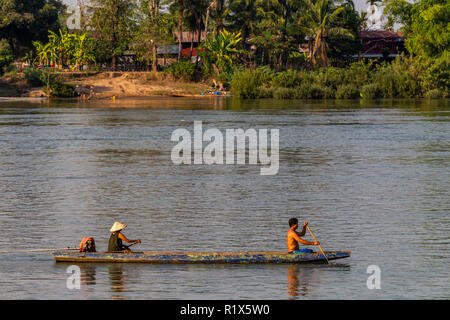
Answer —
25 21
425 25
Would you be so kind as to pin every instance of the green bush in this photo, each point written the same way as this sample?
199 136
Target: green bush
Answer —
358 74
59 89
10 70
347 91
405 77
6 55
331 77
246 84
310 78
284 93
287 79
183 69
434 94
266 74
265 92
371 91
435 73
303 92
314 91
399 79
328 93
35 77
53 86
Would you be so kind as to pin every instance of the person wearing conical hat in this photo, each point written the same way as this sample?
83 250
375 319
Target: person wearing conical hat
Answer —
115 241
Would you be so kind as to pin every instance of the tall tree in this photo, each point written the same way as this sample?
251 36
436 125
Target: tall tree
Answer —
194 19
283 15
113 26
181 10
218 11
425 25
25 21
154 28
244 17
341 47
318 24
178 8
221 14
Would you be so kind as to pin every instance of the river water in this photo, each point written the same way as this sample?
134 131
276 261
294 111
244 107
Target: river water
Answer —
370 178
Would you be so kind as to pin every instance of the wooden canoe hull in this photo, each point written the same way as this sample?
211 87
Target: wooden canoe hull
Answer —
197 257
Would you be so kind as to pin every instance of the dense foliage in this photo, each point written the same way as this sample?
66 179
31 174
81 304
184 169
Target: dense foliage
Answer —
50 81
405 77
259 48
182 70
6 55
425 25
25 21
65 49
112 21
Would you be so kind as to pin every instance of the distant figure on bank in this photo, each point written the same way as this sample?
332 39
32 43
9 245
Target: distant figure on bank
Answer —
115 241
293 237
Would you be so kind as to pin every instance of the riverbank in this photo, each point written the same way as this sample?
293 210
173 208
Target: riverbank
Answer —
104 85
357 82
135 84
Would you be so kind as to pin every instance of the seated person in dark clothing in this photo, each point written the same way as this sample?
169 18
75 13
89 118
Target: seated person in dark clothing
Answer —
115 241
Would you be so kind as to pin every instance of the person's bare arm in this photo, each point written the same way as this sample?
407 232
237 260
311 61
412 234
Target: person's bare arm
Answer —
305 242
303 232
121 236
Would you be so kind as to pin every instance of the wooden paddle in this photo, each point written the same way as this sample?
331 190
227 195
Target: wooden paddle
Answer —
132 244
319 244
38 250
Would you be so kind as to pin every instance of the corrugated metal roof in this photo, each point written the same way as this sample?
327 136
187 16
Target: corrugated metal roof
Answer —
380 34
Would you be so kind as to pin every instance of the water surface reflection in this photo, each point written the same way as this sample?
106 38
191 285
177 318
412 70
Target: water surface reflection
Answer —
360 173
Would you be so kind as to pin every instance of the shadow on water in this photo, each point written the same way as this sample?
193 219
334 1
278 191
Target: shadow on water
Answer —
305 280
93 275
117 280
296 281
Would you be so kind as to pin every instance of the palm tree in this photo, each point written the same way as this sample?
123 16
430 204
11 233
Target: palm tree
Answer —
178 8
244 16
218 10
318 20
194 19
181 8
212 5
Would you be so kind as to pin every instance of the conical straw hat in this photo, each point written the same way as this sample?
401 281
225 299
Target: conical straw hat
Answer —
117 226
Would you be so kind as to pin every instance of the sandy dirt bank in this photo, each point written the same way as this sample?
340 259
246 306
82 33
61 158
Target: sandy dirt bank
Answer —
104 85
135 84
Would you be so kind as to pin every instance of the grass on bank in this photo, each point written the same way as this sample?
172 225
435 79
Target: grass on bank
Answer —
403 78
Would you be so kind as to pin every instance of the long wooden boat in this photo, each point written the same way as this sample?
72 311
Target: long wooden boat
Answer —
197 257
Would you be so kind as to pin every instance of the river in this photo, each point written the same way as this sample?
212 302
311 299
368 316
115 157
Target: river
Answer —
372 178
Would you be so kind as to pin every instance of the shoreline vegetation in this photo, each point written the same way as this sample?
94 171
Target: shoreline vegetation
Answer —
299 49
404 77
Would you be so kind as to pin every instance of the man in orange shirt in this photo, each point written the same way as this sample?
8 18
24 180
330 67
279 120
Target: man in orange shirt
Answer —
293 237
